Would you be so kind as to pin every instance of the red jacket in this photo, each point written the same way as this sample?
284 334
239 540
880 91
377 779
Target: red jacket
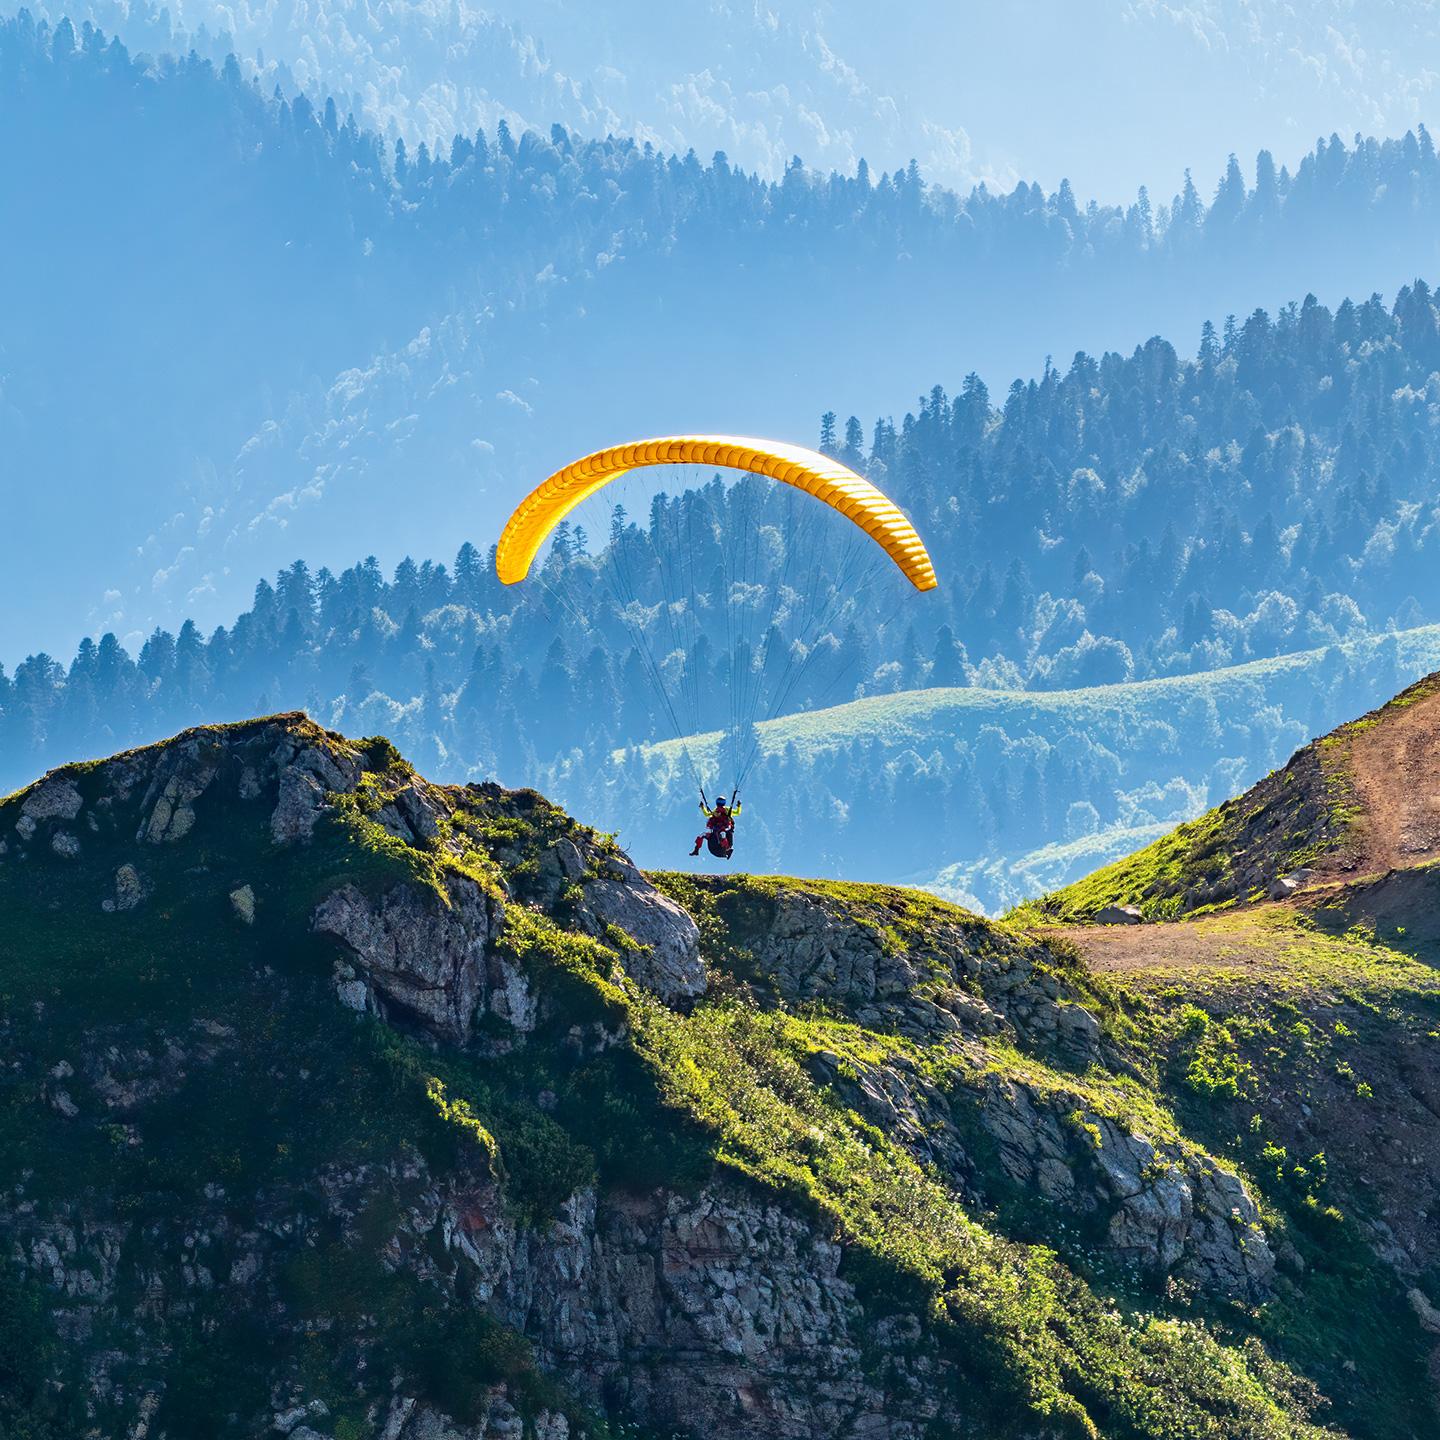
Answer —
720 820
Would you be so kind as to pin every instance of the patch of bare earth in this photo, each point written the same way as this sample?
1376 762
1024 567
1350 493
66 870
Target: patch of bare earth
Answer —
1225 943
1396 769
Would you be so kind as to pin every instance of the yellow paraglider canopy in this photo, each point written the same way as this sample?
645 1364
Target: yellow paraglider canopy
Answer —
827 480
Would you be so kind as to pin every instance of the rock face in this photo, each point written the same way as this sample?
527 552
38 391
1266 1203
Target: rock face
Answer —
752 1295
307 779
945 974
53 799
431 962
614 894
1171 1209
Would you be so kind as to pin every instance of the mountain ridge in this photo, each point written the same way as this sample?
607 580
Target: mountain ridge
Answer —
1354 804
438 1079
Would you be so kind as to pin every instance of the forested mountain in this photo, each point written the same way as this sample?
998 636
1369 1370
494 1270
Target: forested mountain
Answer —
964 88
268 331
1153 515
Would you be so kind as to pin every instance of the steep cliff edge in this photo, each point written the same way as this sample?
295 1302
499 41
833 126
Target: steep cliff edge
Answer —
340 1104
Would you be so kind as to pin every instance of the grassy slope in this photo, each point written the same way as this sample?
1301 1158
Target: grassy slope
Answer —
1298 1045
919 717
1305 814
1298 1042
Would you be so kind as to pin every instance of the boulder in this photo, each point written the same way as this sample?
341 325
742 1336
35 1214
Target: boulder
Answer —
1120 915
55 798
242 902
666 956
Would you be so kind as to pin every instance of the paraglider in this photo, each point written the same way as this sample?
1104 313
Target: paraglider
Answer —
719 831
827 480
761 676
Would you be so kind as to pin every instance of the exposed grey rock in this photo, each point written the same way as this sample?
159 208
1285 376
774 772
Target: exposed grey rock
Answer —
351 990
308 776
242 902
1077 1033
55 798
668 961
1170 1212
427 958
500 1421
910 1109
287 1420
1425 1312
572 862
129 888
1229 1252
181 779
1119 915
730 1294
1283 887
419 809
65 845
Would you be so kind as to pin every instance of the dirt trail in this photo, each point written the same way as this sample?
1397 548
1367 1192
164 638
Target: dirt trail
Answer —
1188 945
1396 764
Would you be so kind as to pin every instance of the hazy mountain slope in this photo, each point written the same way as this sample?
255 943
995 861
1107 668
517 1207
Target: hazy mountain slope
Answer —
483 1123
387 368
1116 97
954 787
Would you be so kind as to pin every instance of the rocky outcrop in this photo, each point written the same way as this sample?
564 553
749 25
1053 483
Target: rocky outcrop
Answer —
432 960
56 798
1161 1210
1165 1210
663 953
944 975
309 777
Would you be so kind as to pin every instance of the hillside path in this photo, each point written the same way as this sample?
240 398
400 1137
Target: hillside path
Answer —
1396 765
